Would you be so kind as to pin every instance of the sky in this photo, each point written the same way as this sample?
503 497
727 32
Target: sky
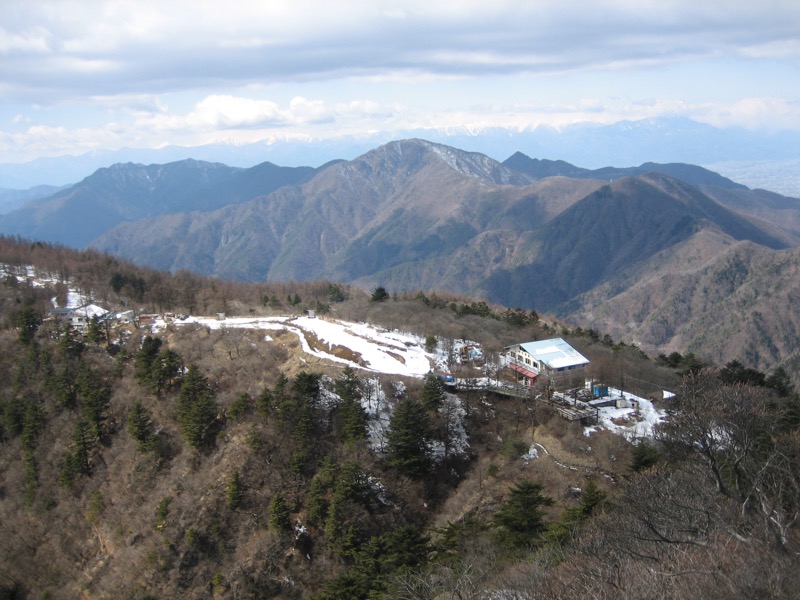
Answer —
83 76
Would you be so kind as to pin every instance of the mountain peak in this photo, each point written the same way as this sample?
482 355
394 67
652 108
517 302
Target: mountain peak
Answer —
411 153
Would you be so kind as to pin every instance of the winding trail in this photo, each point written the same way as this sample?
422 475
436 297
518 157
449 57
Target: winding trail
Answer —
592 470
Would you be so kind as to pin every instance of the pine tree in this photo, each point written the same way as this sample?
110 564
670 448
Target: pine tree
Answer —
592 498
82 440
27 321
347 386
61 387
644 457
95 332
283 400
342 536
265 402
352 419
306 386
94 396
147 354
197 409
353 422
140 427
70 344
279 514
162 512
165 371
520 517
76 462
432 392
234 491
321 485
379 294
779 381
33 421
407 439
241 406
13 416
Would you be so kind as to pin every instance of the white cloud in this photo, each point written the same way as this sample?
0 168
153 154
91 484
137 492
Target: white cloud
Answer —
332 67
34 41
772 114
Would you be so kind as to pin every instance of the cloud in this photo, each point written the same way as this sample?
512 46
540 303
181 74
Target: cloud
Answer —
755 113
222 111
30 41
155 72
150 47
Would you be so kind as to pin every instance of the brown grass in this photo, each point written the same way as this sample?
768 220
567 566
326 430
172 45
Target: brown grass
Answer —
336 350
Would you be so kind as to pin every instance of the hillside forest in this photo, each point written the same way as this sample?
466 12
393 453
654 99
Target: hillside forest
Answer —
222 463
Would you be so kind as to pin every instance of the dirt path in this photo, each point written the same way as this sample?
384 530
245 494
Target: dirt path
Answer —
557 457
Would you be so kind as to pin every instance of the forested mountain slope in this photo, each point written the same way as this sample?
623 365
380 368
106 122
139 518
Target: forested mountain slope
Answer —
129 192
199 462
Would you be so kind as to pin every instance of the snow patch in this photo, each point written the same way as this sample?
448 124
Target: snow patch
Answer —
633 423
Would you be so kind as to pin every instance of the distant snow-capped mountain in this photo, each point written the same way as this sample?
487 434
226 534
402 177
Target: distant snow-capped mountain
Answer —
591 145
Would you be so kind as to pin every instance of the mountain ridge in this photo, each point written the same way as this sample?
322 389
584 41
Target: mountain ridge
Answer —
416 215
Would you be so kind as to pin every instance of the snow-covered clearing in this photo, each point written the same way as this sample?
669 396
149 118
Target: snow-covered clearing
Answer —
374 348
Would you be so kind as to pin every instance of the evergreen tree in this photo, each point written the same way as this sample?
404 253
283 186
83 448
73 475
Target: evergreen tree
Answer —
61 386
380 294
70 344
27 321
197 409
93 395
432 392
234 491
644 457
82 440
143 362
13 416
33 422
241 406
379 561
321 485
76 462
31 479
351 418
165 371
520 517
306 386
341 534
353 422
95 332
347 386
120 360
735 372
316 502
592 498
265 402
430 343
283 401
352 484
162 512
401 548
140 427
779 381
407 439
279 515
